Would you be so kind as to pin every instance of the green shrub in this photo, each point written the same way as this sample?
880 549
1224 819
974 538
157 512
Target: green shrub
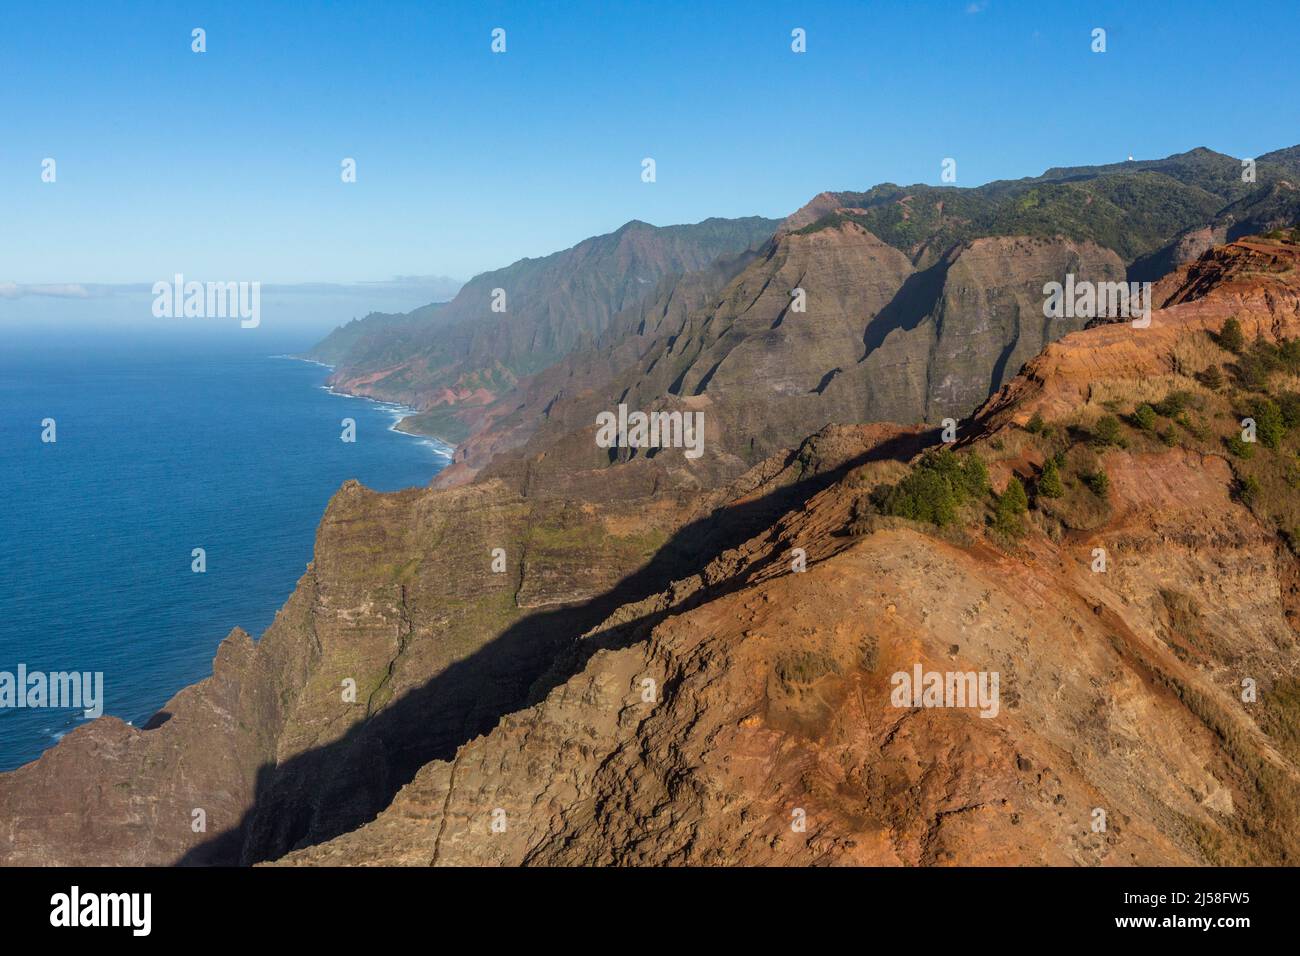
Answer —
1168 437
1280 356
1145 416
1098 483
1269 428
1196 428
1014 497
1049 482
966 473
1174 402
1252 376
974 476
935 488
1035 424
1248 490
1289 405
805 667
1212 378
1288 353
1230 336
1107 432
924 496
1242 449
1255 369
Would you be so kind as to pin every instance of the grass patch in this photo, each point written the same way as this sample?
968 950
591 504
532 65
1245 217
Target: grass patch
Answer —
804 667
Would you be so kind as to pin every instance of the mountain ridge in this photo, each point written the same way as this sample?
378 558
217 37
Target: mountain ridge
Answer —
514 321
1153 214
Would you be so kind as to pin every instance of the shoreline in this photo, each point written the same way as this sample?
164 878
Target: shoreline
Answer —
396 410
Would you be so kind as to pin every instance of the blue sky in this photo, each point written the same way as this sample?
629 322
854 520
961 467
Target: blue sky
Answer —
225 165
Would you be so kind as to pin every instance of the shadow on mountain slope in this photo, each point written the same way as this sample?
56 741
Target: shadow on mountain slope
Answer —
330 790
909 307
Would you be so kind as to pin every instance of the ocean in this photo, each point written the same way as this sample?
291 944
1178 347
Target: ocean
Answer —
161 448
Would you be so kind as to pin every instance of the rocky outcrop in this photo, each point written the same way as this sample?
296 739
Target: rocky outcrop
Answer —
769 707
1250 280
1275 204
538 406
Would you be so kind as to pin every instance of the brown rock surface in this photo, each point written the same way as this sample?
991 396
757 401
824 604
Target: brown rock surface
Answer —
1251 280
775 696
401 599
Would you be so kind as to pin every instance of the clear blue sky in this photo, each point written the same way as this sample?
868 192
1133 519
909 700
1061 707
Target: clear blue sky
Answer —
225 165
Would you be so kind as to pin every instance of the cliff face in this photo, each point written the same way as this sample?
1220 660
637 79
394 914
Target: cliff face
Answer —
489 381
541 406
877 340
1250 280
1275 204
775 698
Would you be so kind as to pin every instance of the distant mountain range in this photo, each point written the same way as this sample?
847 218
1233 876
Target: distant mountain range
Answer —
456 356
921 301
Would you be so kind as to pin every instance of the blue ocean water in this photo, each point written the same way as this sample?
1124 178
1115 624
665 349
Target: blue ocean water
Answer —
162 448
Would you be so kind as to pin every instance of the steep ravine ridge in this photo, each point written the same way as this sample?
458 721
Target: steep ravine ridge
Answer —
451 359
879 340
483 379
505 717
919 302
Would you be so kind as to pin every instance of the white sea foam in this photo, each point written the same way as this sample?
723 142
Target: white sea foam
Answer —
299 358
394 410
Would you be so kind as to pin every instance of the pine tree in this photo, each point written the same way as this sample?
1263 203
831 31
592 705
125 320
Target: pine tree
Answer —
1099 482
1230 337
1011 504
1049 482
